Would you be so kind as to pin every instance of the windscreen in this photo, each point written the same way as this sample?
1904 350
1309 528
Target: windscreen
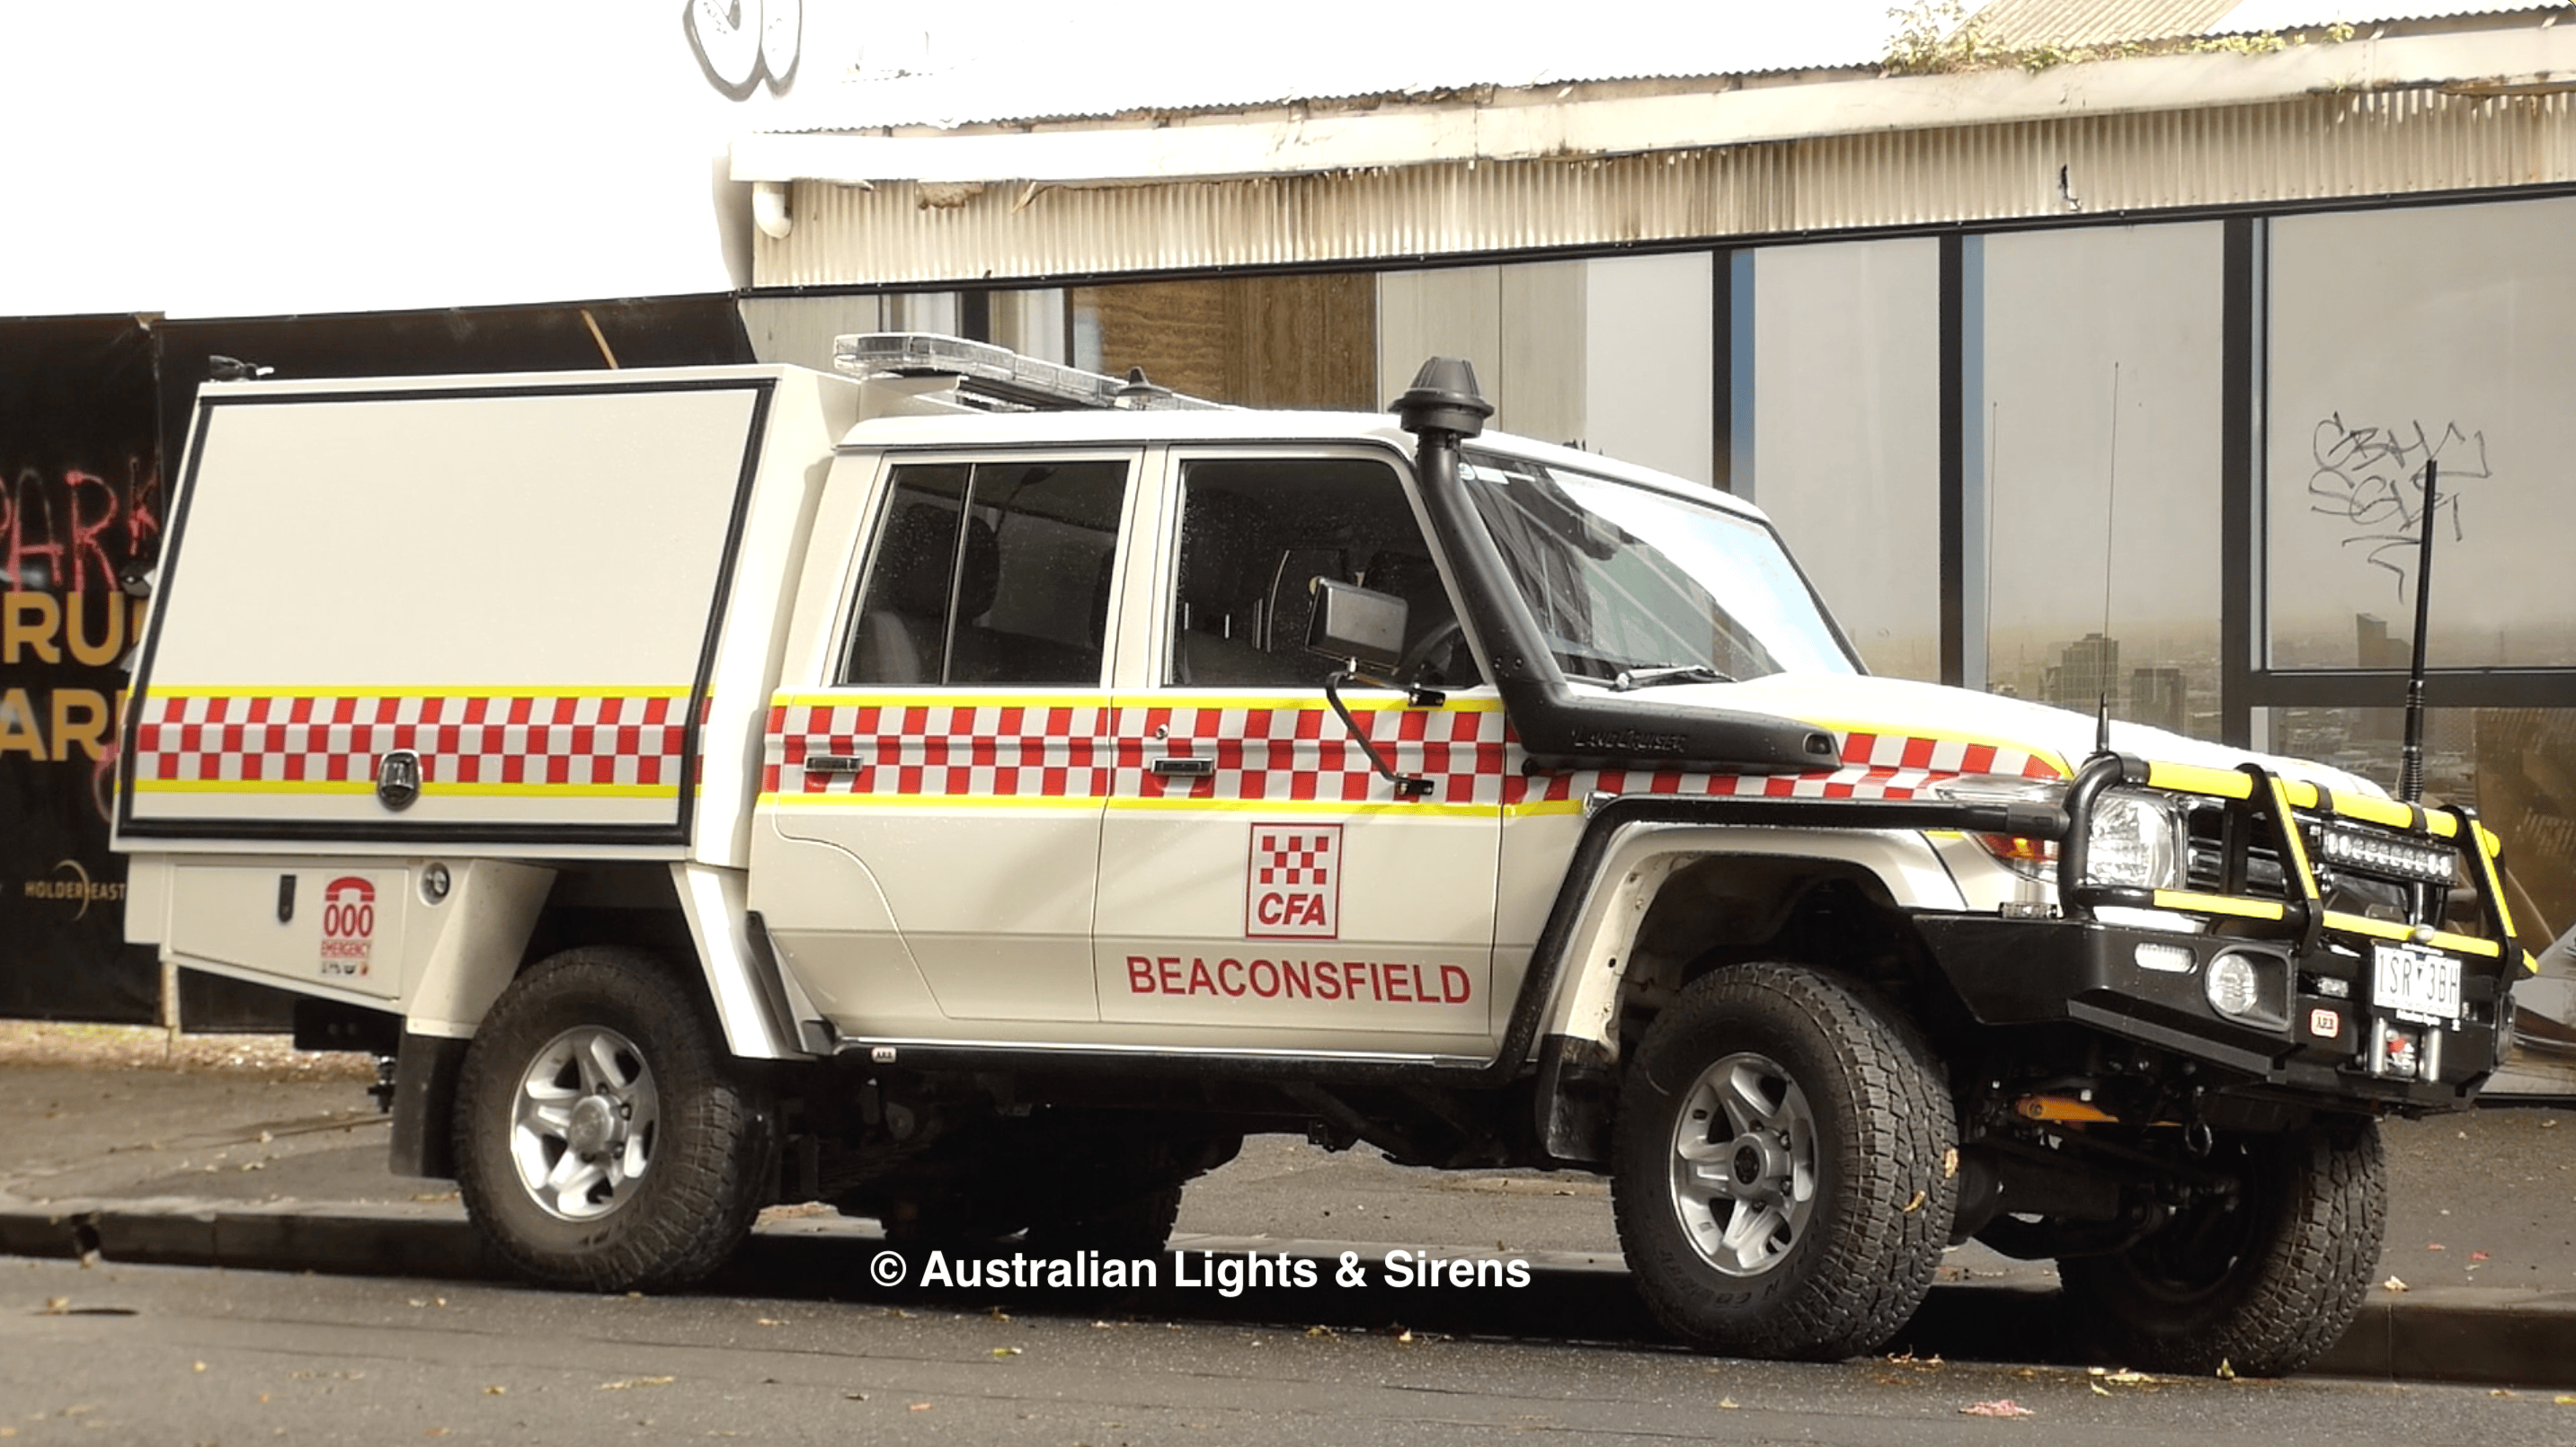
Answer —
1625 578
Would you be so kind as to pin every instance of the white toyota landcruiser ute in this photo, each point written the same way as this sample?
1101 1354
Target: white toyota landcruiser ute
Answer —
725 786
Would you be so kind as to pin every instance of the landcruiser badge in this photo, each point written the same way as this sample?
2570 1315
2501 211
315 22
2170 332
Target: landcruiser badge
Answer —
1293 886
398 779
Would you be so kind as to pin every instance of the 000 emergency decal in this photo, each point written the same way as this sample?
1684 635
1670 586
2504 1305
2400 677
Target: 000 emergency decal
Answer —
348 927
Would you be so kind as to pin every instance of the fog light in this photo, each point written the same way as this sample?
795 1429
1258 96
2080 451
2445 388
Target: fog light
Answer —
2248 987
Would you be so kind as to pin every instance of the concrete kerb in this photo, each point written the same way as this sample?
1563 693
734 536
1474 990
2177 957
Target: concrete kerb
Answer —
2485 1336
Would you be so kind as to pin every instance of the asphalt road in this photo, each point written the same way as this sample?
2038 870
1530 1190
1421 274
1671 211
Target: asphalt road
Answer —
179 1355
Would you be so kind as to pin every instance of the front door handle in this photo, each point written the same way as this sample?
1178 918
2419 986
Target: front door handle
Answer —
834 763
1184 768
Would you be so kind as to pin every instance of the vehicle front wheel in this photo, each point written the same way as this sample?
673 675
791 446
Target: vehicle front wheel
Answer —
1783 1169
604 1139
2264 1281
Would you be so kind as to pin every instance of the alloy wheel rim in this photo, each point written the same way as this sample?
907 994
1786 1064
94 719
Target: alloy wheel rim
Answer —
1744 1164
585 1123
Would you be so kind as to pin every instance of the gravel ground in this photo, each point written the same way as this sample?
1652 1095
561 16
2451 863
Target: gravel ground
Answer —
42 1044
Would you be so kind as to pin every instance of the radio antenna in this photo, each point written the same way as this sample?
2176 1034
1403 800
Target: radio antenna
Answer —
2110 533
2410 768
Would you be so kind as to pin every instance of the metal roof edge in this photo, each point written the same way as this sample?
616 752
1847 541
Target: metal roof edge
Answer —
1508 127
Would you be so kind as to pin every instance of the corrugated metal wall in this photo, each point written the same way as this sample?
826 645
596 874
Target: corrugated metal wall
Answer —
2323 147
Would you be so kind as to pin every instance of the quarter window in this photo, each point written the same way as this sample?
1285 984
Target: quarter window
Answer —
990 572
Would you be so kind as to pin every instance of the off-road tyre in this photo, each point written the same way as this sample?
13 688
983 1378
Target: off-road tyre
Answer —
1879 1162
707 1162
2265 1287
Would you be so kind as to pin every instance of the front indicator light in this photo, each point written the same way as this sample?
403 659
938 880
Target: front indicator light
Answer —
2169 959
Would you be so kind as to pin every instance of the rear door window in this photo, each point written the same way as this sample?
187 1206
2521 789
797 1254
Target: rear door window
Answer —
990 573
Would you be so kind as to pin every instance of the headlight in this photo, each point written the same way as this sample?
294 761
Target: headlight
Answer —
2136 842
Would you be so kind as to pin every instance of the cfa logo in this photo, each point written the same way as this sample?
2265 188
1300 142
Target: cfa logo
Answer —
1293 884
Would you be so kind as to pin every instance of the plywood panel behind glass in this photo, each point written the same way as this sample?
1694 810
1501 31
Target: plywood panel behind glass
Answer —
1255 341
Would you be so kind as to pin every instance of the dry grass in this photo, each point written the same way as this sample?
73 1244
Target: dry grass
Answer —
38 1044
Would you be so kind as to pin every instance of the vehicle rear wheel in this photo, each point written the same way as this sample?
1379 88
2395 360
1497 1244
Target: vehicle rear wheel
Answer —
2264 1282
1783 1169
604 1139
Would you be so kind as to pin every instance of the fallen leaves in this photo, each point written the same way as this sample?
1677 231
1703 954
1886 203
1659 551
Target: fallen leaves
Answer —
2000 1407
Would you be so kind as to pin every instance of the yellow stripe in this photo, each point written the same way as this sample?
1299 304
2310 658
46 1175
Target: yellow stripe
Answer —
2218 904
2282 792
432 790
1373 702
1337 808
465 691
2390 930
2196 779
2386 813
1415 809
932 801
2486 859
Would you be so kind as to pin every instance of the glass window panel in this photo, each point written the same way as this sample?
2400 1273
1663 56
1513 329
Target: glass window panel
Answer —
1847 435
2102 551
2436 332
999 573
1256 532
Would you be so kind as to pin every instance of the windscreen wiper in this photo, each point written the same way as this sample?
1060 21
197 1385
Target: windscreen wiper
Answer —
1660 673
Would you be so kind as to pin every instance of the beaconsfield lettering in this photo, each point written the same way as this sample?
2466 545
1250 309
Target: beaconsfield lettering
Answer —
1388 982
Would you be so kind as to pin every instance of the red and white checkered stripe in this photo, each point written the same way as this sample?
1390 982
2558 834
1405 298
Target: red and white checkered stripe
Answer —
1051 752
1875 766
1299 755
941 750
513 739
1264 754
1947 757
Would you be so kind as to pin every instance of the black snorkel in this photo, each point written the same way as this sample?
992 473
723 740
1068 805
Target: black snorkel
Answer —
1561 728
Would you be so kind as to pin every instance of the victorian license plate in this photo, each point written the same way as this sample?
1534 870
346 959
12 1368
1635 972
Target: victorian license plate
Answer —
2415 982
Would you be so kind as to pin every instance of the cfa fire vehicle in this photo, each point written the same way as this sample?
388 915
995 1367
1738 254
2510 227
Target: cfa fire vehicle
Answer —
722 786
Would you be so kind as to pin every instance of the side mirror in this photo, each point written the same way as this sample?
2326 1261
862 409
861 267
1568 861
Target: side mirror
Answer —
1354 623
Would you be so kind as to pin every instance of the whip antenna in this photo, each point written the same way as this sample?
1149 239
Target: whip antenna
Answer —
2410 768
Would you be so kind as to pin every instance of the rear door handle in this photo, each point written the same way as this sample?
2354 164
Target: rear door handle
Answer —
834 763
1184 768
